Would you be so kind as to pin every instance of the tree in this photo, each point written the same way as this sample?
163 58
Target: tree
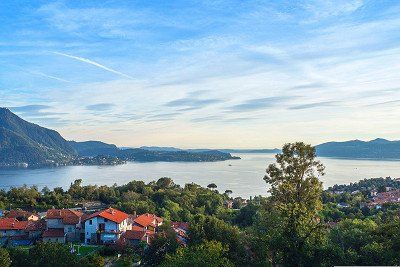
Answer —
212 186
296 200
93 260
209 253
5 259
208 228
228 192
165 182
52 254
163 243
19 256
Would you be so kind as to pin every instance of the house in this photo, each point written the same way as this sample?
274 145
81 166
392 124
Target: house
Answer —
228 204
66 219
55 235
182 230
106 226
14 232
373 192
36 228
22 215
137 235
148 221
12 227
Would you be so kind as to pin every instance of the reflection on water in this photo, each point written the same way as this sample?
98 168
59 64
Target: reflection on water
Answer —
243 177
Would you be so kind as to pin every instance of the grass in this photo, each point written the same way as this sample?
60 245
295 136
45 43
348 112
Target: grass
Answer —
85 250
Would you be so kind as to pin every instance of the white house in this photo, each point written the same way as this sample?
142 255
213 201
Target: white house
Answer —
105 226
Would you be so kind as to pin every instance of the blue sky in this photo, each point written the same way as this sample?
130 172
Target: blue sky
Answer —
204 73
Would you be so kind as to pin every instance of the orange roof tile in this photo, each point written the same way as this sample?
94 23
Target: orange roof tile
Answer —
111 214
68 216
12 224
148 219
18 214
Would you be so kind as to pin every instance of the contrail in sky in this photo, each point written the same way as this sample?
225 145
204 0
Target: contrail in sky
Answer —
48 76
91 62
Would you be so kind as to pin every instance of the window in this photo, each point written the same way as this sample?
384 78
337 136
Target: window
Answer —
90 222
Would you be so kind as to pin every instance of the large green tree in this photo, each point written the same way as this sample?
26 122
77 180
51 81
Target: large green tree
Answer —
52 254
295 203
209 253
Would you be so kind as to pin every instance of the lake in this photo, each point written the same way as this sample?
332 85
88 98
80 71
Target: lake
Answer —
243 177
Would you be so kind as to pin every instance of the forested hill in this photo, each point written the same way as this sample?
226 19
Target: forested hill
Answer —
374 149
94 148
22 143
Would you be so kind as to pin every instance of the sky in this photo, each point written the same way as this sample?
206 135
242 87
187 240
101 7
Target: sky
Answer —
215 74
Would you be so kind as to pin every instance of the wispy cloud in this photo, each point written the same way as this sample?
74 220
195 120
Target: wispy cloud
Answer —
315 105
91 62
49 76
384 103
100 107
261 103
309 86
30 108
190 103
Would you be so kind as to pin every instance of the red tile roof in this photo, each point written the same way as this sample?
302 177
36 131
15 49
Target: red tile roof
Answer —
138 234
68 216
19 214
134 234
53 233
12 224
148 219
111 214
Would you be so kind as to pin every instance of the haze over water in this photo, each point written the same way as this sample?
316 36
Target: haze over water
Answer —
243 177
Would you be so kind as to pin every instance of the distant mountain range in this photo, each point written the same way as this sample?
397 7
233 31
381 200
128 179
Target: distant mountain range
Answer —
157 148
24 144
374 149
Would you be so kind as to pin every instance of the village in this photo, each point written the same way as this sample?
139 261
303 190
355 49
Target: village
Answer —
107 226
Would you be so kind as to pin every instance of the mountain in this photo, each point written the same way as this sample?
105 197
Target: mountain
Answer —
94 148
26 144
374 149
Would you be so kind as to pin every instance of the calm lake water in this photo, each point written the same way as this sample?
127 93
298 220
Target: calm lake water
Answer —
243 177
